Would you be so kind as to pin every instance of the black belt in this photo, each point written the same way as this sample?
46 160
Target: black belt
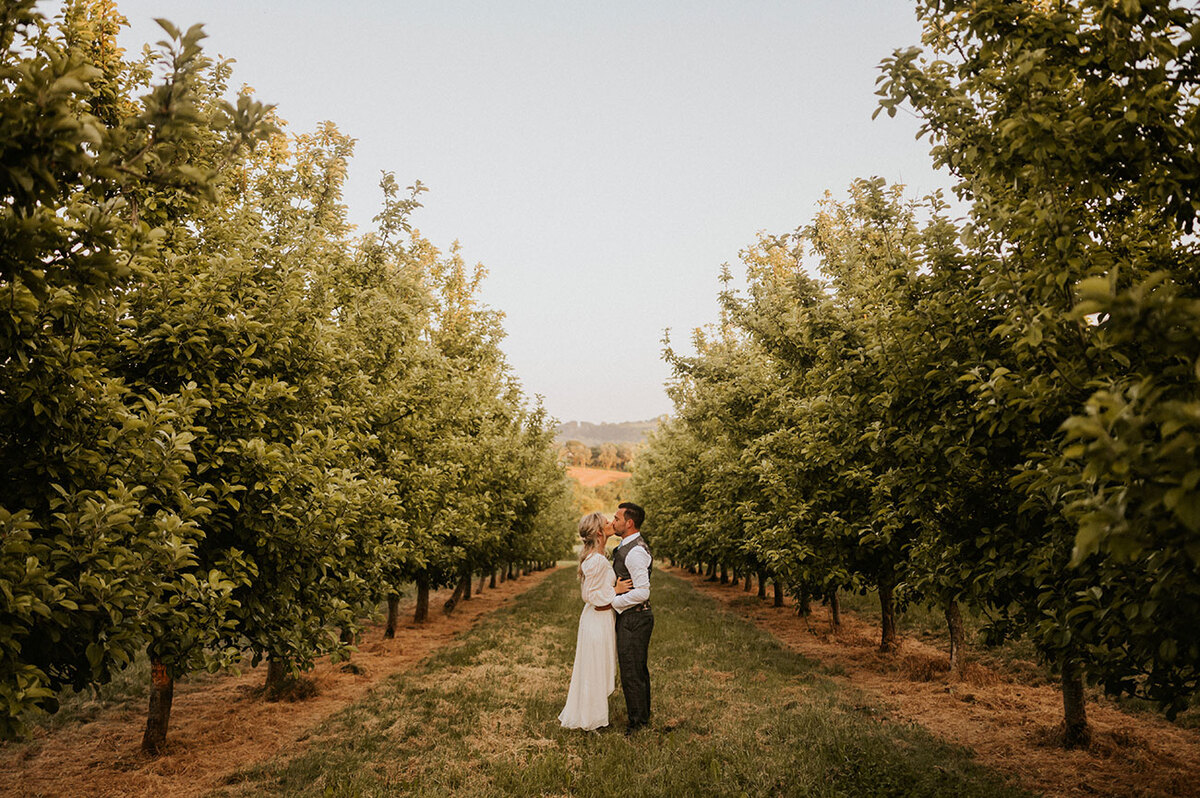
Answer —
643 607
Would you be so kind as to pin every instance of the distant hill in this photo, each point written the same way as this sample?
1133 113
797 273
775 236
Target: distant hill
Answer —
596 434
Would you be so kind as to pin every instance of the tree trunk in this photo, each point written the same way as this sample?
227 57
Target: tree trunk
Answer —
762 585
1076 733
464 585
748 582
733 578
162 691
277 673
710 573
421 614
492 580
887 614
691 569
804 603
835 611
778 593
724 574
955 625
393 601
512 573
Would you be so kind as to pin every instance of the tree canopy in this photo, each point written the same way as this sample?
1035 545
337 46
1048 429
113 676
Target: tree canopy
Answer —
229 424
999 410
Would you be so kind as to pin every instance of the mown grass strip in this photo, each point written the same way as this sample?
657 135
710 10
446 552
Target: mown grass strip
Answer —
734 714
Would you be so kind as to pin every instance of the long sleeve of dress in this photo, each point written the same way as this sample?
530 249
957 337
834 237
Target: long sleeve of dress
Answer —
597 587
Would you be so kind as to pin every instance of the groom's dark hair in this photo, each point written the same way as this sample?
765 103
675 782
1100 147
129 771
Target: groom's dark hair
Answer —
633 514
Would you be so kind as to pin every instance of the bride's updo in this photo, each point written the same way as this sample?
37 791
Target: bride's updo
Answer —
591 533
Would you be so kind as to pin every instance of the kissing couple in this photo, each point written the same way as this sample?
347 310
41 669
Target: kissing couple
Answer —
615 625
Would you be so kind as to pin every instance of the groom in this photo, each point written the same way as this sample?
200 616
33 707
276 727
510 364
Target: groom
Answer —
635 621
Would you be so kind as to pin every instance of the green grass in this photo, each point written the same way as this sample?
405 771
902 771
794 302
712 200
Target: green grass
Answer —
734 714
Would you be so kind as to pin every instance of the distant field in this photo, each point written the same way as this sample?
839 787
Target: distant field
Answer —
595 477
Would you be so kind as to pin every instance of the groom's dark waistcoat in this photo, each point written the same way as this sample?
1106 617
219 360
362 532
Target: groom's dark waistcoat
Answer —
619 554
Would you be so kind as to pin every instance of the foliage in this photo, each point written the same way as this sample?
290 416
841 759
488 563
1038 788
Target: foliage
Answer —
99 505
1000 411
1071 128
228 425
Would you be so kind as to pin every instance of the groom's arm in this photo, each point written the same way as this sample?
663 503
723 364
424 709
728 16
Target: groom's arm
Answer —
638 563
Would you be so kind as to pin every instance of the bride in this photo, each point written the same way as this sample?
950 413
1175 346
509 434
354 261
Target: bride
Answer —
594 675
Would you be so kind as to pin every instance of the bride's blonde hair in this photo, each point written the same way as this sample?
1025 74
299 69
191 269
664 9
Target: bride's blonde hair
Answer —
591 532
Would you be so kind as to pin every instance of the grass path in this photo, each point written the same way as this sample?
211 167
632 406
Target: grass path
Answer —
735 713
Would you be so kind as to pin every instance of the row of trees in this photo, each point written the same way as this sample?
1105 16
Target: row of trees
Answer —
1001 411
229 426
614 456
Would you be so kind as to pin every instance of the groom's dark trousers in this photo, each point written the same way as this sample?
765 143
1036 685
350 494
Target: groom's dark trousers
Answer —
633 643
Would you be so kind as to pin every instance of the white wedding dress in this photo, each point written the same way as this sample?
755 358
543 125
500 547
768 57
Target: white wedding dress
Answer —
594 675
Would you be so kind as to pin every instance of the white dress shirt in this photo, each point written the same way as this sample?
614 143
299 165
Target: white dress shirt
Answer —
638 563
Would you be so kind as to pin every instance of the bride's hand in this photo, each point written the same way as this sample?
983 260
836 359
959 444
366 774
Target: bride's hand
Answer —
623 586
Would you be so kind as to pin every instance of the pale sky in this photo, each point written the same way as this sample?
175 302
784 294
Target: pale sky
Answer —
601 159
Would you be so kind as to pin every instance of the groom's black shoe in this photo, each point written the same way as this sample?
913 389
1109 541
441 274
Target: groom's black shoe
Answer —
632 730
